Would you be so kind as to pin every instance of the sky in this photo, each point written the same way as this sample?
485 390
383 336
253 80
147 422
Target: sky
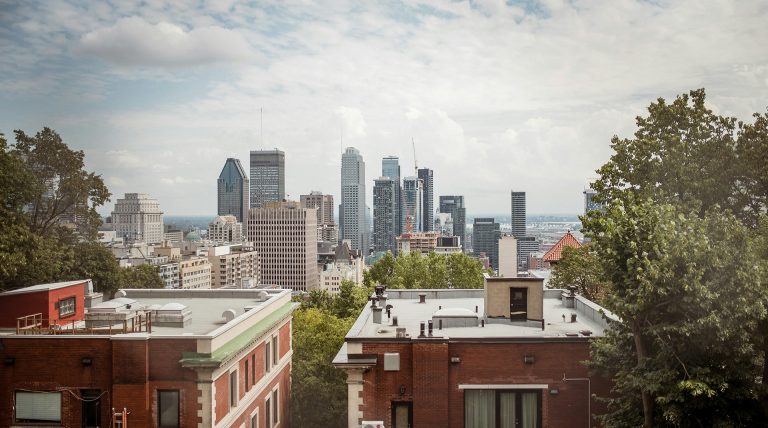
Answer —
496 95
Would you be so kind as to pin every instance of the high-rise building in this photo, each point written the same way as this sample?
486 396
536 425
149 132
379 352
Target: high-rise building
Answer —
525 246
413 197
589 201
385 215
454 205
267 177
233 189
353 215
326 225
518 214
225 229
137 218
285 236
194 272
485 239
234 266
390 167
428 203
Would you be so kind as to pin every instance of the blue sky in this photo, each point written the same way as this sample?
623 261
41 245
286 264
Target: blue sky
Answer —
497 95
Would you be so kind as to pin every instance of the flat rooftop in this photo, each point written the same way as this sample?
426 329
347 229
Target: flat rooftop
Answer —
44 287
466 303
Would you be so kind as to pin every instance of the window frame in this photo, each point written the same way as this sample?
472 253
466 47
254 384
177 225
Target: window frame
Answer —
254 419
67 302
159 407
234 388
30 421
518 393
275 406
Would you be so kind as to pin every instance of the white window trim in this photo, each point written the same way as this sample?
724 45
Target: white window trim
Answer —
233 369
255 414
279 402
506 386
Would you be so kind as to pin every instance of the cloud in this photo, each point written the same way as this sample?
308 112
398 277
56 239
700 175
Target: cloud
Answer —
352 121
136 42
171 181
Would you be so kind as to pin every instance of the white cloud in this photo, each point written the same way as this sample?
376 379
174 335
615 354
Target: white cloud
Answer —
134 41
352 121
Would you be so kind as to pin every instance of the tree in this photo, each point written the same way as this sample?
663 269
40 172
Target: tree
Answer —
414 270
580 268
688 292
141 276
381 272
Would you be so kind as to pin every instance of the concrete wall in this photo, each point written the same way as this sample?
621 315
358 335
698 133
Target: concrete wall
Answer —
497 296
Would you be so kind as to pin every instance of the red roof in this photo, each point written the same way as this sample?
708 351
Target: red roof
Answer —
556 253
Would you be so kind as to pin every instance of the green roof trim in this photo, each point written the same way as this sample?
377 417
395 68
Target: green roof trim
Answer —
234 346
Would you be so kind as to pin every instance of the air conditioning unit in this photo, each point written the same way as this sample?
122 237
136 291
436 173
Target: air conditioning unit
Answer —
372 424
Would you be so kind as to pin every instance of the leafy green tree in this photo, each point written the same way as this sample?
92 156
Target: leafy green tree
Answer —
97 262
350 300
464 271
381 272
141 276
581 269
318 390
688 292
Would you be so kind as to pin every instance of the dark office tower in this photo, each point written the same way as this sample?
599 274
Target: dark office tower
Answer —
384 215
428 203
352 215
518 214
454 205
233 190
485 239
390 167
267 177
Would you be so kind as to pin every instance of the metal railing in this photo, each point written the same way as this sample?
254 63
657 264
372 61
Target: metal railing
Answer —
35 324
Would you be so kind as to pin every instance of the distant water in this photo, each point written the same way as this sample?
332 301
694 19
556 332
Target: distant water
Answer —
530 218
187 223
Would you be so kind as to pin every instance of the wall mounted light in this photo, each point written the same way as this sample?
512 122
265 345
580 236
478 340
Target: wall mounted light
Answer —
554 391
455 359
529 359
87 361
402 389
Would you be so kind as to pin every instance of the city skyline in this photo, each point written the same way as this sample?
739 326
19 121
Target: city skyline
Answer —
496 96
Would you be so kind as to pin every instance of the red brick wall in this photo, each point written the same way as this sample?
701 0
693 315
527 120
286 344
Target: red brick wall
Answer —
284 340
431 381
222 396
76 291
283 379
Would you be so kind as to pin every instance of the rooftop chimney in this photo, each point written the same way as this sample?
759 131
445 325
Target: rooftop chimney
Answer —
421 329
422 298
376 314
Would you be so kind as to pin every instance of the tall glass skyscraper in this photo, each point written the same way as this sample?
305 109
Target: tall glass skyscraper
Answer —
233 188
413 195
428 203
384 215
267 177
390 167
352 216
518 214
454 205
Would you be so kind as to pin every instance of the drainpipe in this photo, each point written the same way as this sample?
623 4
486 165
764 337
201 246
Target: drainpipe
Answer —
589 395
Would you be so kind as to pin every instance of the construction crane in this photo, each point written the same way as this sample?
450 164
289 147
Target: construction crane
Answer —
415 162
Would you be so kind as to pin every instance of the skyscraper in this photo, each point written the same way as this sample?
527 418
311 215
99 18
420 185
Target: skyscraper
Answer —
384 215
413 195
326 226
454 205
485 239
589 201
267 176
285 236
428 203
138 218
233 188
390 167
518 214
352 214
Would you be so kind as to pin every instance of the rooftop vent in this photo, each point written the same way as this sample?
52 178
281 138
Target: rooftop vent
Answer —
120 293
455 317
171 314
228 315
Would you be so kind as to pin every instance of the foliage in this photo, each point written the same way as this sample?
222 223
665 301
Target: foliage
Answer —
412 270
141 276
580 268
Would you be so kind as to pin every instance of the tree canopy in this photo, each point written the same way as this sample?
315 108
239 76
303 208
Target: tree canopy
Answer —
413 270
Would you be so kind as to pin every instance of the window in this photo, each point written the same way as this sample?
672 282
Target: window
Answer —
253 368
66 307
275 408
502 408
247 384
268 412
168 409
275 353
255 419
38 407
267 357
233 388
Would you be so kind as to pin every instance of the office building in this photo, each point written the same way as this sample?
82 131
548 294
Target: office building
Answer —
485 239
589 201
233 190
518 214
525 246
149 358
422 242
354 226
194 272
390 167
138 218
234 266
508 355
326 225
454 205
285 236
267 177
428 201
413 203
385 215
225 229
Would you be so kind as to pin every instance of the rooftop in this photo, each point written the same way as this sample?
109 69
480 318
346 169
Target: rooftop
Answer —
44 287
556 252
469 303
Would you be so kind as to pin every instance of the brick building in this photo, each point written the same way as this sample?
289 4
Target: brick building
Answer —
509 355
169 358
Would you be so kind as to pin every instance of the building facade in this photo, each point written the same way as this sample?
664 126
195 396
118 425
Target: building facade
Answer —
485 239
185 368
426 176
454 205
225 229
285 236
508 260
194 272
390 167
354 226
385 214
138 218
267 177
422 242
234 266
233 190
469 359
518 214
413 204
326 225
